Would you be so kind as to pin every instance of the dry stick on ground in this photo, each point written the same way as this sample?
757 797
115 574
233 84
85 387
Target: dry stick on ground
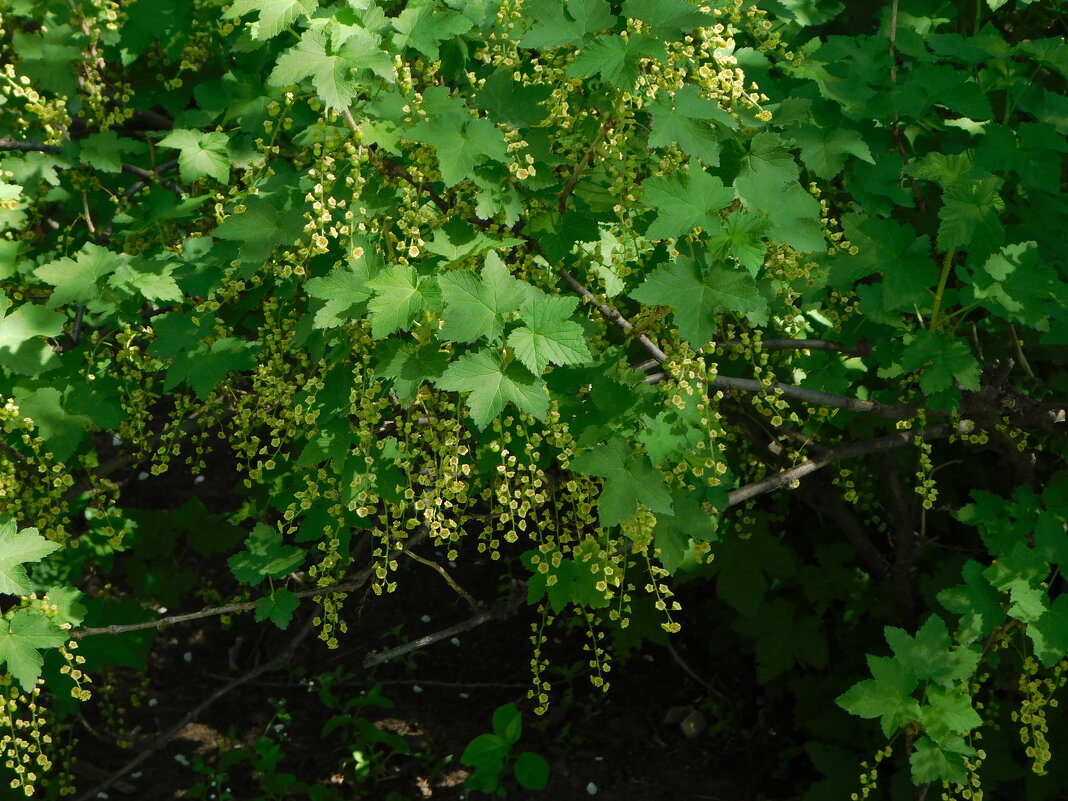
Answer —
170 734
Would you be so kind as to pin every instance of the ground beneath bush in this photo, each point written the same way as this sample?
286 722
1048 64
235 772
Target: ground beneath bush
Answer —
669 728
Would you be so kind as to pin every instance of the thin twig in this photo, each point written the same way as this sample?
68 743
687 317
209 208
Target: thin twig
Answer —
860 349
194 713
357 581
498 612
9 143
576 174
475 605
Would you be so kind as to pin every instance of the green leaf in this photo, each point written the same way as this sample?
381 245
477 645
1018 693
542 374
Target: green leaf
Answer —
400 294
333 69
272 16
421 26
409 366
23 348
462 141
492 386
22 634
616 59
265 556
824 149
260 228
629 480
278 607
75 280
508 723
1050 632
344 292
670 18
928 656
205 367
58 416
948 710
476 307
200 154
684 201
942 360
698 296
17 548
887 696
548 334
554 28
485 751
684 119
941 761
150 279
793 214
105 151
976 601
532 771
742 238
969 215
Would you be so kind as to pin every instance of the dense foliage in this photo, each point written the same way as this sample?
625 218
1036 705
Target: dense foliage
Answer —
763 309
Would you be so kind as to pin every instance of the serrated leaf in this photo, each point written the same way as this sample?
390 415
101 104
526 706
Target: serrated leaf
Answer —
493 386
928 655
400 294
22 634
616 59
793 214
344 292
887 696
686 119
629 480
549 335
553 28
1050 632
940 761
16 549
409 366
476 307
699 295
684 201
462 142
943 361
948 710
970 217
260 228
265 556
150 279
206 366
334 71
823 150
75 280
278 607
422 25
272 16
200 154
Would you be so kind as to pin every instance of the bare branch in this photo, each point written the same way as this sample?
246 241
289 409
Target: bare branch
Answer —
887 443
498 612
357 581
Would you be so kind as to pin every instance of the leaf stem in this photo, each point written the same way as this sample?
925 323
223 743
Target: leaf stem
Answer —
947 264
